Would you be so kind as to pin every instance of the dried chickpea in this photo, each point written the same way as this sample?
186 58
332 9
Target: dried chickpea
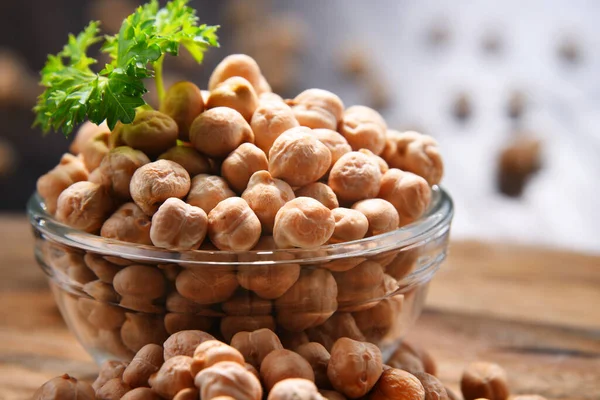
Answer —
236 93
129 224
294 389
383 165
155 182
406 360
211 352
114 389
117 169
237 65
265 97
186 156
104 270
178 304
318 358
413 152
172 377
428 362
95 150
256 345
241 164
336 143
409 193
207 285
184 343
382 215
141 329
138 284
247 303
355 176
376 322
152 132
341 324
484 380
176 322
141 394
101 315
189 394
364 128
349 225
434 389
109 370
101 291
228 379
147 361
183 103
219 131
111 342
283 364
396 384
86 132
298 157
232 225
354 367
50 185
320 192
231 325
271 119
178 226
365 277
207 191
318 108
303 222
84 205
331 395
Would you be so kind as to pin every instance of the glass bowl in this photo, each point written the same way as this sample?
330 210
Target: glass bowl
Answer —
116 296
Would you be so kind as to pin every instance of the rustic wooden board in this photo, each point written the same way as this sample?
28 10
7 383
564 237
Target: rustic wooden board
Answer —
534 311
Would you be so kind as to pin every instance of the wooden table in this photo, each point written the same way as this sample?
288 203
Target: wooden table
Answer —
534 311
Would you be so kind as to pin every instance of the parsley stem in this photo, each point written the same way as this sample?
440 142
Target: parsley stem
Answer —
158 78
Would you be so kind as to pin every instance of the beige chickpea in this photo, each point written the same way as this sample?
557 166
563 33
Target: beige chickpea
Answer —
101 315
354 367
86 132
318 358
349 225
303 222
484 380
360 287
101 291
155 182
95 150
339 325
117 169
320 192
396 384
241 164
141 394
434 389
178 304
406 360
152 132
142 329
109 370
178 226
429 365
256 345
189 158
110 342
318 108
266 195
376 322
294 389
114 389
228 379
250 368
84 205
382 215
403 263
189 394
309 302
298 157
129 224
244 302
355 176
145 363
172 377
232 225
413 152
211 352
177 322
183 103
269 96
236 93
237 65
231 325
336 143
139 285
383 165
207 191
104 270
269 281
364 128
207 285
219 131
409 193
284 364
184 343
270 120
50 185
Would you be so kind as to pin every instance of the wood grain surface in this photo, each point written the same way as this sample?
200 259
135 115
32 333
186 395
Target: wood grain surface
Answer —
534 311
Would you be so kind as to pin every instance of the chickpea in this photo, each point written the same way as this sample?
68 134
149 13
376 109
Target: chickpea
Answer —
270 120
354 367
405 359
50 185
101 291
284 364
383 165
396 384
434 389
292 340
114 389
178 226
86 132
241 164
364 128
139 284
349 225
207 285
184 343
172 377
211 352
84 205
484 380
298 157
141 394
376 322
317 108
228 379
309 302
428 361
232 225
129 224
95 150
175 322
355 176
233 324
269 281
146 362
186 156
303 222
110 342
413 152
294 389
103 269
247 303
189 394
219 131
178 304
142 329
341 324
109 370
409 193
152 132
318 358
237 65
101 315
117 169
365 277
265 196
236 93
255 346
207 191
336 143
155 182
320 192
382 215
269 96
183 103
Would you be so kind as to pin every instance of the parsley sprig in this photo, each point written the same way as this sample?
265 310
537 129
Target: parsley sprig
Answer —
74 92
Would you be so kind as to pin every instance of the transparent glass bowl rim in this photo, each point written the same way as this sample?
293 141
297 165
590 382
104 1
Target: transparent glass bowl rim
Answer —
435 222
